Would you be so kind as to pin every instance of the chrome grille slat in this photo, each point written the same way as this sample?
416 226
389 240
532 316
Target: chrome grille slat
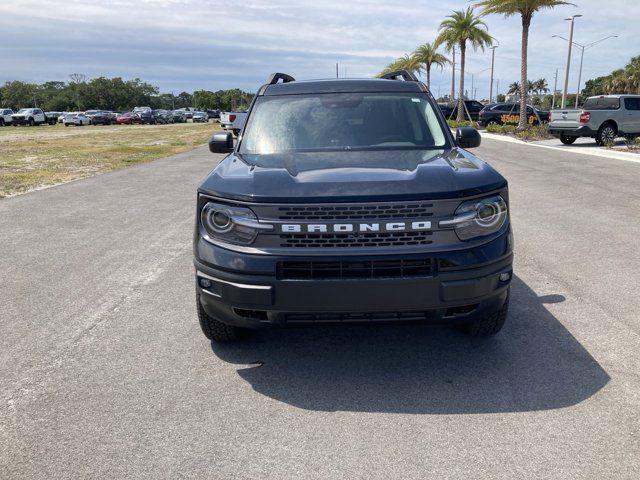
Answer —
356 212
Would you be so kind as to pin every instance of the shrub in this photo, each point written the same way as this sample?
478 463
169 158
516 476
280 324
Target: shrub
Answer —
455 124
531 132
501 129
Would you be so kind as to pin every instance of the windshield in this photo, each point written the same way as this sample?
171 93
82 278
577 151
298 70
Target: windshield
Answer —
24 110
343 121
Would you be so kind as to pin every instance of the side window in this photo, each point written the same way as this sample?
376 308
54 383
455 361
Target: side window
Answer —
632 103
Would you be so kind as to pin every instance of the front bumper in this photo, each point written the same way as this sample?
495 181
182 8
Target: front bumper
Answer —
463 285
19 120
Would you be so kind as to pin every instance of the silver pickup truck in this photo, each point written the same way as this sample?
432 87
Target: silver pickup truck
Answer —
604 118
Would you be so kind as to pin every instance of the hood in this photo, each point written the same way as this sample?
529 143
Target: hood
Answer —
351 175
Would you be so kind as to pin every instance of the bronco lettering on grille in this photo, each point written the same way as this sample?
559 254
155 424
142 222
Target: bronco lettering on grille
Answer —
418 225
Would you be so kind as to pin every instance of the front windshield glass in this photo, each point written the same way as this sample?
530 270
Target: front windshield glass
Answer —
24 110
343 121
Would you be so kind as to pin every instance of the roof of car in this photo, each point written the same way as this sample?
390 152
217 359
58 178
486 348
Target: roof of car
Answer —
341 86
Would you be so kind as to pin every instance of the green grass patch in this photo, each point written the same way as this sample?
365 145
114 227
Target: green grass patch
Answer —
35 157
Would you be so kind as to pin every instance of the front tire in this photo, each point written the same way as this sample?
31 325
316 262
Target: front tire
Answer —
491 323
568 140
214 329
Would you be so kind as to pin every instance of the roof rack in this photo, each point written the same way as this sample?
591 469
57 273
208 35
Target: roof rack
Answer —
274 77
406 75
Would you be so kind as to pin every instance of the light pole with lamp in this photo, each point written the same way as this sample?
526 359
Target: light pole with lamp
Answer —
583 48
473 76
566 73
493 57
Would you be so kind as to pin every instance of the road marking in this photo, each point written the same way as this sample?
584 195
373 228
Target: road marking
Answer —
613 155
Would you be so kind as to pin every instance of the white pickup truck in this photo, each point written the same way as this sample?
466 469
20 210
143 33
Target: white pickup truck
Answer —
604 118
233 121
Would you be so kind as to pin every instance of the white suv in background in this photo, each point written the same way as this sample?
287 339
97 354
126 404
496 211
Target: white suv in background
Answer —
5 116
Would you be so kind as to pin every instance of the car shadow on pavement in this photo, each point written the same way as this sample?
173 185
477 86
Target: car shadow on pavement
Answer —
533 364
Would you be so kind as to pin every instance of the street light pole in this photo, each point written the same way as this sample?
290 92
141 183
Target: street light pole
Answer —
579 76
493 57
453 76
555 88
583 48
566 73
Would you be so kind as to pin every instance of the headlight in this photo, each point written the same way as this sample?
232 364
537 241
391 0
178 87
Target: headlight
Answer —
477 218
231 224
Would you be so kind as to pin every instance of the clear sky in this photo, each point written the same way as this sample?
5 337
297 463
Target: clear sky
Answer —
192 44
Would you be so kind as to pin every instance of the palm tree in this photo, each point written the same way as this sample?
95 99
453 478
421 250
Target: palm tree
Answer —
526 9
407 62
541 86
427 54
457 29
514 88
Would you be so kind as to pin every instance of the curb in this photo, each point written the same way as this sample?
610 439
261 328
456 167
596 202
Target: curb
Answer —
613 155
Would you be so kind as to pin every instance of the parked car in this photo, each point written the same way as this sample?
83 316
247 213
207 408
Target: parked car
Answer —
28 116
200 117
146 117
509 114
450 111
52 117
233 121
5 116
604 118
76 118
213 114
128 118
99 117
162 117
179 116
141 109
61 117
357 205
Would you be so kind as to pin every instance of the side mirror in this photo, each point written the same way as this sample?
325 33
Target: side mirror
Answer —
468 137
221 142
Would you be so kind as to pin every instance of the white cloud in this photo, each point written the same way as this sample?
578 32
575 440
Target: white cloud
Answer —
187 44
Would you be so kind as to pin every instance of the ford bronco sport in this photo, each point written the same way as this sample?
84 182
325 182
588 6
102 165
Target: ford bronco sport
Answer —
350 201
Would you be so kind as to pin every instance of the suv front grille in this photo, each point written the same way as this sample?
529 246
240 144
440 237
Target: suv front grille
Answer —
369 239
356 212
325 270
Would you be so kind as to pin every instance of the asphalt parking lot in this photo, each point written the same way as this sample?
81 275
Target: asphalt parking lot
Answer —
104 371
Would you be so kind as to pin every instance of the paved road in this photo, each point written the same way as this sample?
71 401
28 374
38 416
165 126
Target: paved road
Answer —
105 373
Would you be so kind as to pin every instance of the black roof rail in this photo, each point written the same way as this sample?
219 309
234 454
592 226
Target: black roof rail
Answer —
406 75
274 77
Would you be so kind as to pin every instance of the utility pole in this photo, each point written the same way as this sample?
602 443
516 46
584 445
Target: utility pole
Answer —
555 87
453 76
566 73
579 76
582 48
493 57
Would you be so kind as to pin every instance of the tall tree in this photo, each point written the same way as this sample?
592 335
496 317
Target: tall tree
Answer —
526 10
514 88
427 55
457 29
